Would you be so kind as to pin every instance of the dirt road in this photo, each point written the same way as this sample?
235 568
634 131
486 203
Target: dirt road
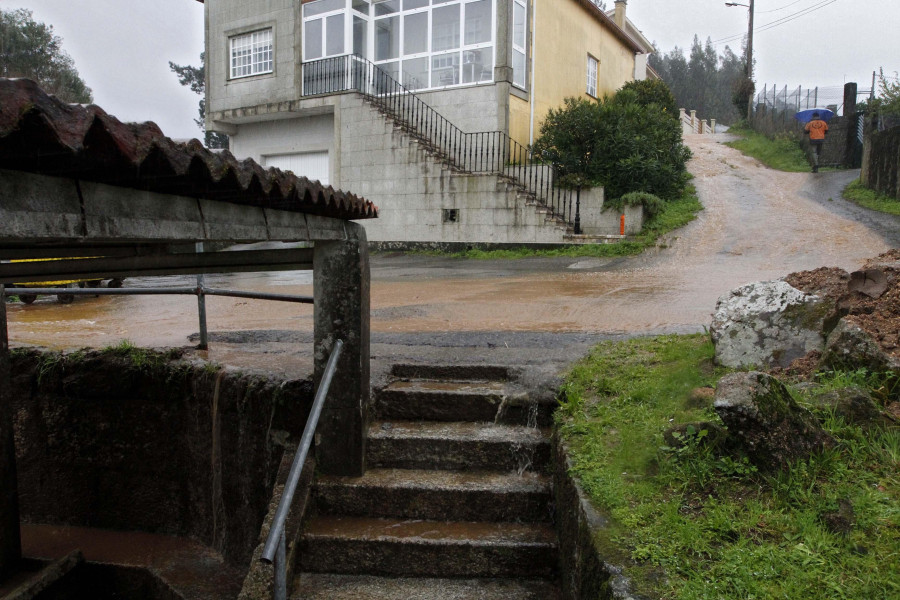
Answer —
757 224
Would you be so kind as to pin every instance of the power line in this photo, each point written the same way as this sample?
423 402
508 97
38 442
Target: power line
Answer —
762 12
783 20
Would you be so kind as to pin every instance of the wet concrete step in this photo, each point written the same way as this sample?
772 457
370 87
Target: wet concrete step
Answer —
437 495
460 400
457 446
451 372
416 548
313 586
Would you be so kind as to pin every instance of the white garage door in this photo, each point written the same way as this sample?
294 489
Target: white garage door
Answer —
312 165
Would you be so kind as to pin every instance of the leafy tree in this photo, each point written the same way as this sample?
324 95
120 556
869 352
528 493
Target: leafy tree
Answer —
30 49
195 78
888 93
617 142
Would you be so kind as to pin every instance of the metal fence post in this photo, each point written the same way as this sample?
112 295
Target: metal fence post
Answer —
201 307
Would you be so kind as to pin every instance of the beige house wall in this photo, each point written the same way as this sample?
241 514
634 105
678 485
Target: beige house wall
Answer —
566 32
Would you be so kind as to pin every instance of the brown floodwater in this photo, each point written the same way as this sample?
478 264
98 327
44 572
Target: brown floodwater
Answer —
757 224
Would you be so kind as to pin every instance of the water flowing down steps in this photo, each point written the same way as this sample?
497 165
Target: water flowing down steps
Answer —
456 502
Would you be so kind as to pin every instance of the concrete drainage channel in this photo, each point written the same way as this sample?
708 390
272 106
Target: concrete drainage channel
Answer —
466 494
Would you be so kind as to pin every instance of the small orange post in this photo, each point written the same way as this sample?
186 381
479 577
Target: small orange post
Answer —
622 225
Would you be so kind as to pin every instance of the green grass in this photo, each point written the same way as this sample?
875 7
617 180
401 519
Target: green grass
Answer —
782 153
867 198
675 214
696 525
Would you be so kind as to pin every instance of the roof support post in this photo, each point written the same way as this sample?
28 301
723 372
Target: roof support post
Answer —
10 540
341 294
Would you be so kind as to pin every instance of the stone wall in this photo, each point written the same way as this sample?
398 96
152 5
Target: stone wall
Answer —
881 160
131 440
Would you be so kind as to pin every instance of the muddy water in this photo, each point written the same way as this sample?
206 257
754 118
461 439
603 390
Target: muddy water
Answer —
757 224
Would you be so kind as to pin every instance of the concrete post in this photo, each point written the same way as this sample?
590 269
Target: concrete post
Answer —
693 121
848 159
341 294
10 541
712 124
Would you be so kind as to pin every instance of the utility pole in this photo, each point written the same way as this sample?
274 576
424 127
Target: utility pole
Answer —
749 66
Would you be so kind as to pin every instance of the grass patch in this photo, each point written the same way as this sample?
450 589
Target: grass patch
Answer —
781 153
715 526
674 214
858 193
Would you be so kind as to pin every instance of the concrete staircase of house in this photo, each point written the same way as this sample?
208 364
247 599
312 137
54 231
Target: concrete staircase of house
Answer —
456 503
523 194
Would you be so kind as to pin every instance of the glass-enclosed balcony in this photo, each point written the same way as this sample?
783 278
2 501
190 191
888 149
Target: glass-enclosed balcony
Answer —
423 44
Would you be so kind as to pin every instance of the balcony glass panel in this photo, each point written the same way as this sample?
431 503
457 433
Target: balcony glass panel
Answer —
478 65
334 35
445 69
322 6
415 73
387 38
415 33
445 28
312 40
478 22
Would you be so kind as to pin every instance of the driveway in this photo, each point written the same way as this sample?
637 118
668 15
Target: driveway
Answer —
757 224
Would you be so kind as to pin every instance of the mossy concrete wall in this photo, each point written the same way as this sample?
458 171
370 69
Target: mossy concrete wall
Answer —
133 440
590 563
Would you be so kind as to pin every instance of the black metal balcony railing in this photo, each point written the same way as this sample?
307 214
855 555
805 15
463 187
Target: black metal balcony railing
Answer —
479 152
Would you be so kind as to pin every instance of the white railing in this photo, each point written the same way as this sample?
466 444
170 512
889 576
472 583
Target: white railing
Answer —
691 124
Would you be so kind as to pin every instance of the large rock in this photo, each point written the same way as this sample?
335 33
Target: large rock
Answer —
849 347
768 324
764 420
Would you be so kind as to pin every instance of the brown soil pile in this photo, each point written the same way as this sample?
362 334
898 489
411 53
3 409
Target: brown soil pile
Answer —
878 315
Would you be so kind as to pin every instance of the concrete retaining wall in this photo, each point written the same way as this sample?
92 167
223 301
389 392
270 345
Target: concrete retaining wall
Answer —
108 440
588 559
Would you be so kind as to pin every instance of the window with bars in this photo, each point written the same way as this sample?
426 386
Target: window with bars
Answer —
592 65
251 53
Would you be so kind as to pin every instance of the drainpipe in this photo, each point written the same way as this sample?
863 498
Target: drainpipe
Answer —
533 55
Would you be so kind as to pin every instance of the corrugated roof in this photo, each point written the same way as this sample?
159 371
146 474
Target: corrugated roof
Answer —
41 134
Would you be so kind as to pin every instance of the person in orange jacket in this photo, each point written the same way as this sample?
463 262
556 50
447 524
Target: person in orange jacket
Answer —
817 128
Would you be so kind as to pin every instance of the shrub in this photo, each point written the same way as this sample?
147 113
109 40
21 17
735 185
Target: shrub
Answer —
653 205
624 145
649 91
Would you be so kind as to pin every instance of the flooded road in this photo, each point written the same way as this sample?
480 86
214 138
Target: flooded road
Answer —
757 224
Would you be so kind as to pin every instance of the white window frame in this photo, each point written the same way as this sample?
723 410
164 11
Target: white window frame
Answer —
593 74
520 46
347 33
461 52
254 44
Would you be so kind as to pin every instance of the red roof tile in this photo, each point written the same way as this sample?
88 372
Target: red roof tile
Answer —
41 134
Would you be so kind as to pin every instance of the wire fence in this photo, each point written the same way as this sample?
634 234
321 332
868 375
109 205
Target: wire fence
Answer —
795 99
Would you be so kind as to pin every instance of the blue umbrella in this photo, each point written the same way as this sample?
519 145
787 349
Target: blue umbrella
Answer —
805 116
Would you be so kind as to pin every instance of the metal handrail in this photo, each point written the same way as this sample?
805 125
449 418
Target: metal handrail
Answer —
479 152
274 548
167 291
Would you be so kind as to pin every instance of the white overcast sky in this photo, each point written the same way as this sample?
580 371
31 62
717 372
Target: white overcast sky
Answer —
122 47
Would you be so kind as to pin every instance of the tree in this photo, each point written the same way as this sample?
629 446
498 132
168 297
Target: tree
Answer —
716 86
650 91
30 49
618 142
195 78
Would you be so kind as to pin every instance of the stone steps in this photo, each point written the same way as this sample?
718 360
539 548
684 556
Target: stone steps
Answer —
316 586
432 495
416 548
453 504
456 400
457 446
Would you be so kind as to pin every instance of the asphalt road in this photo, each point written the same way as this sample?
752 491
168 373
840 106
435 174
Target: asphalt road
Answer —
757 224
